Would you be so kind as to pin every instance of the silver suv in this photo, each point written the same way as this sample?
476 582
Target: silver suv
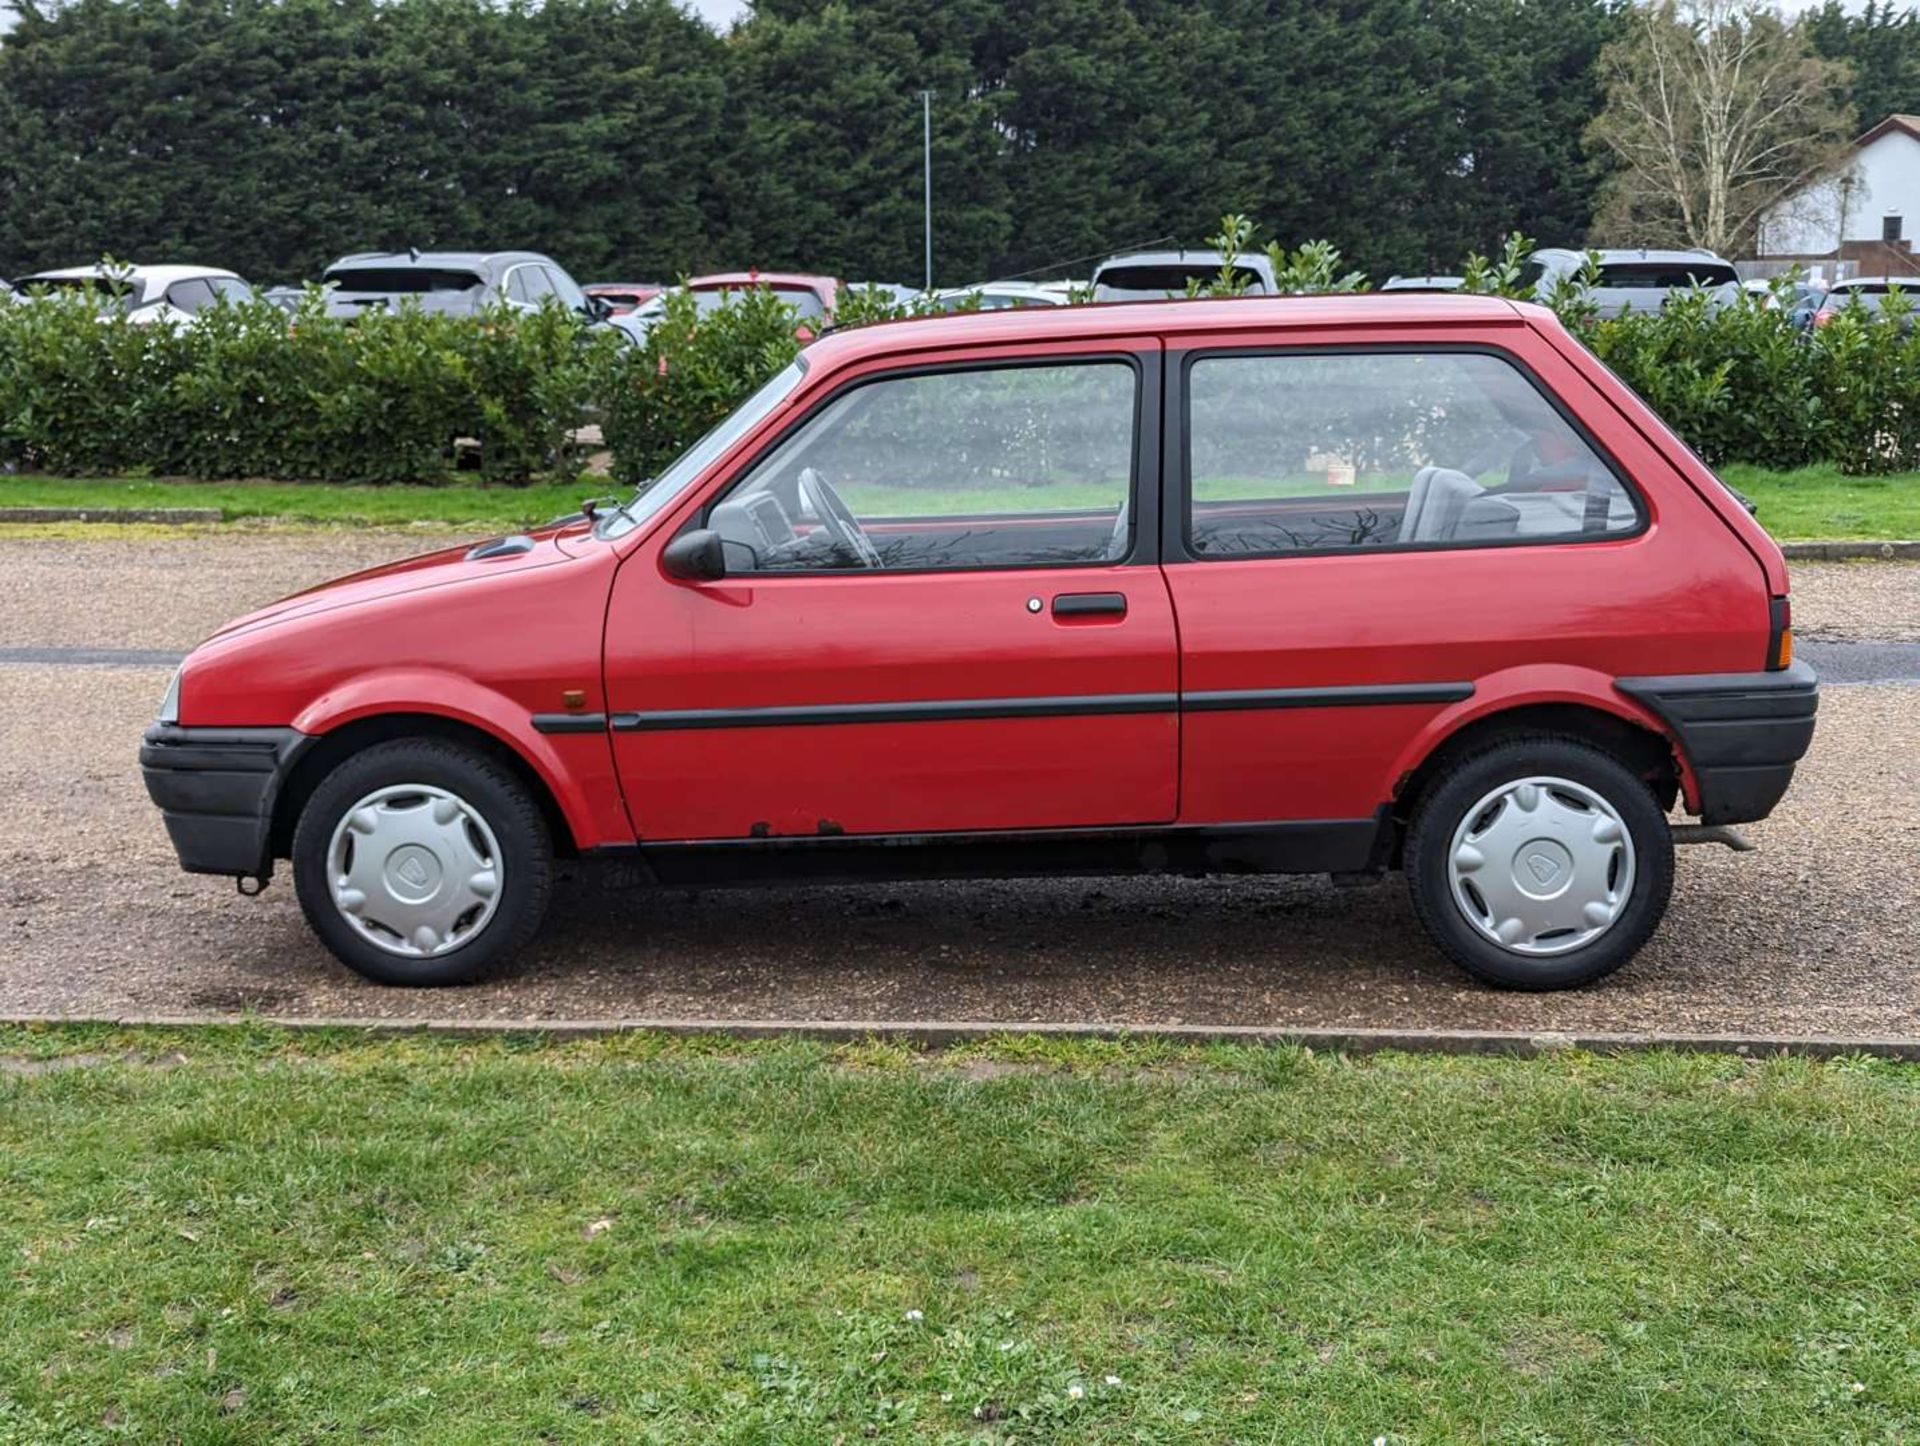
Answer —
456 283
1637 280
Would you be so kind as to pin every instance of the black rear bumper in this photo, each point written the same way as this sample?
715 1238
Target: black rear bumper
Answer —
216 789
1741 732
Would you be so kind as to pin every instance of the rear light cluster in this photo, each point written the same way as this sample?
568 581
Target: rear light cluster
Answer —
1779 634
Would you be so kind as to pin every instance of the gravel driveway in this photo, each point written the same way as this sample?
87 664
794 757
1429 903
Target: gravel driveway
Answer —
1818 933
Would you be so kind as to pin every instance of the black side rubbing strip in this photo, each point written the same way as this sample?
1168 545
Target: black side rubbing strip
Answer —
938 711
1372 696
1073 706
569 722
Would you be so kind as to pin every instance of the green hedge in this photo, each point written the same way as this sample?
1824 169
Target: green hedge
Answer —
250 391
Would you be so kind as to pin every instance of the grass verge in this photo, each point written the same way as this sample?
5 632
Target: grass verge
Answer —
1819 504
1814 503
485 507
245 1234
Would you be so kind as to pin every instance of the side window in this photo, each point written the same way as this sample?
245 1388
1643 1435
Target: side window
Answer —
563 286
1347 451
1027 466
189 296
232 289
528 284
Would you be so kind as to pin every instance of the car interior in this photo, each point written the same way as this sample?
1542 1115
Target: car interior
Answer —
1441 505
795 521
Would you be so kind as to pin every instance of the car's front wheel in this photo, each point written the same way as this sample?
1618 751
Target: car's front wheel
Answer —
422 861
1539 863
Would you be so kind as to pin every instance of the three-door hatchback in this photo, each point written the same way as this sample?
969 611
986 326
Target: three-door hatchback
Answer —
1328 584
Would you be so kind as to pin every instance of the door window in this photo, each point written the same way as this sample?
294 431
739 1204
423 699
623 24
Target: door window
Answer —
189 296
529 284
1346 451
1004 466
564 287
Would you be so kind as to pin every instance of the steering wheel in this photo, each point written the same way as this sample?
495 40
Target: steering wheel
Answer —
842 526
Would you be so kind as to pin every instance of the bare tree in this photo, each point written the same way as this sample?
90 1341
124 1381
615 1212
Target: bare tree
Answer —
1718 112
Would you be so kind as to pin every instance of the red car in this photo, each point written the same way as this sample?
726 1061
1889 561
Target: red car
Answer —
813 298
1329 584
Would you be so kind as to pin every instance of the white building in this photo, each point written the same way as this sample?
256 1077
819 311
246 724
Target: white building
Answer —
1862 222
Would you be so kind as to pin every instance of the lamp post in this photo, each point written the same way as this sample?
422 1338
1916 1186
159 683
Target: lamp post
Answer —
926 156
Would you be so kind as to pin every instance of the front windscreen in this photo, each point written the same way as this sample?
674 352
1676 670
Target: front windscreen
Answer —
655 495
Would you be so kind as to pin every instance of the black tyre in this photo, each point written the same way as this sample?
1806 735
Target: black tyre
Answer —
1540 862
423 862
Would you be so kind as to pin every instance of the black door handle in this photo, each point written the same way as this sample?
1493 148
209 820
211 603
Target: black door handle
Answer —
1089 604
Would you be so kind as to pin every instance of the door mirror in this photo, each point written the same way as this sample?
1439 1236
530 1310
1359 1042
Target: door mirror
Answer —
697 556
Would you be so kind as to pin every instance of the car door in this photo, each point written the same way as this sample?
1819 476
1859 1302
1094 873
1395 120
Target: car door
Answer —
1376 534
938 616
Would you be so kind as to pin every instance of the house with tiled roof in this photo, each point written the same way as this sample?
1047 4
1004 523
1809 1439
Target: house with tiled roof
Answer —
1862 221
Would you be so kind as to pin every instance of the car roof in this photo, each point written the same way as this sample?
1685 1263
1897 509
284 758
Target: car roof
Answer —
1183 257
1131 320
439 260
1911 282
762 278
1008 288
146 275
1629 253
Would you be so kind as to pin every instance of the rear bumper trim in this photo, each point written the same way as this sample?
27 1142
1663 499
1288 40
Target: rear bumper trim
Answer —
1742 733
216 789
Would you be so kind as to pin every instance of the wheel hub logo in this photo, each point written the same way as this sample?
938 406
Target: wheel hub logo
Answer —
1542 868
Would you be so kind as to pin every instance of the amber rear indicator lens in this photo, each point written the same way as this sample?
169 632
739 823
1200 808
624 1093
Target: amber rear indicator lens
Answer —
1779 634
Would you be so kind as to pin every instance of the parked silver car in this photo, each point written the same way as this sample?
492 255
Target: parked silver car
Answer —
1637 280
999 296
1871 293
1157 275
1423 283
146 294
456 283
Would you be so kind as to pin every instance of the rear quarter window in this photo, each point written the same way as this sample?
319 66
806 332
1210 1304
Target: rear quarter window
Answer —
1303 451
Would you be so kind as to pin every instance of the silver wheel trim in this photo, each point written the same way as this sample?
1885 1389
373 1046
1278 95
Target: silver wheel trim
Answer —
1541 866
414 870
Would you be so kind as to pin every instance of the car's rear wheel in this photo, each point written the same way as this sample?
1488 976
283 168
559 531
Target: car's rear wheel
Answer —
1539 863
421 861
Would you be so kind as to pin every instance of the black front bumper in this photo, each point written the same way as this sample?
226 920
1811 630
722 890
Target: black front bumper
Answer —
216 789
1742 732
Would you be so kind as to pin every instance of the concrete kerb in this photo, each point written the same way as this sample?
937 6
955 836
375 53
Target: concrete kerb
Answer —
1851 551
167 516
946 1034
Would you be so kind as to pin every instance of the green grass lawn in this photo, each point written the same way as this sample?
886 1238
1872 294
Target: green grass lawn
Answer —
1813 503
483 507
1817 503
247 1235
